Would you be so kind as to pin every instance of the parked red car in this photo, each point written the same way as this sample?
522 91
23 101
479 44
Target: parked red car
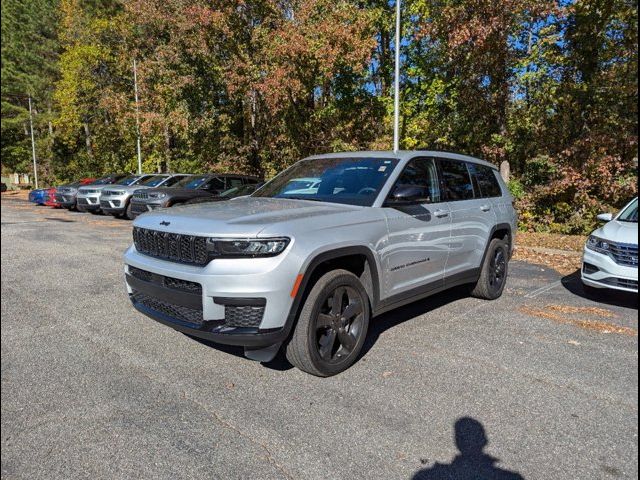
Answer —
51 198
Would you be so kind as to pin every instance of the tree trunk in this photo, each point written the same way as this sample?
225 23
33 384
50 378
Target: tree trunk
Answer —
167 146
87 139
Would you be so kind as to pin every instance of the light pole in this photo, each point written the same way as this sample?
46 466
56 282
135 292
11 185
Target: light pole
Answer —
396 100
33 145
135 91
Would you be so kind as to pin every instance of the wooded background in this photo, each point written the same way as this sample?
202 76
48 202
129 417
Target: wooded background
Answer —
254 85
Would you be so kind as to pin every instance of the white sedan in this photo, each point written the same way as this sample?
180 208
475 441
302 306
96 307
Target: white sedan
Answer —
610 257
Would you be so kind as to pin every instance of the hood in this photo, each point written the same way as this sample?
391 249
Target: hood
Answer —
93 188
620 232
248 217
183 192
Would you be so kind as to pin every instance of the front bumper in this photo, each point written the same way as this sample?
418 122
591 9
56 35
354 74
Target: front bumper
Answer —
230 301
113 205
88 202
66 201
138 208
601 271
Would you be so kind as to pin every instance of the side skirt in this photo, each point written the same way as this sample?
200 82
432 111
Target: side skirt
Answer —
424 291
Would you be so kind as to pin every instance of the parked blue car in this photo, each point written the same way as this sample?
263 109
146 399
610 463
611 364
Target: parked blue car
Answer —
38 196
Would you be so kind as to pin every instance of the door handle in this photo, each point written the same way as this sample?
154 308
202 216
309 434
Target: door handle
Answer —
485 208
441 213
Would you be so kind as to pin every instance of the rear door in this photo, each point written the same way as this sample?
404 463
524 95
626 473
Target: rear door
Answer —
416 250
472 218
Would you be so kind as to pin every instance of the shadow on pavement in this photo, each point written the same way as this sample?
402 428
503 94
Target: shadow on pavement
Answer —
612 297
280 363
400 315
472 463
377 326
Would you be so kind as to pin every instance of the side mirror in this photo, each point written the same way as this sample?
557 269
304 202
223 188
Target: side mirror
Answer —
605 217
407 195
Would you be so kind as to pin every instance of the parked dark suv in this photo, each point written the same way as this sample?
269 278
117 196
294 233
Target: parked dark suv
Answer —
197 186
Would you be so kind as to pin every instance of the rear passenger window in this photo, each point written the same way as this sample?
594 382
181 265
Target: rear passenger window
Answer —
485 180
456 180
234 182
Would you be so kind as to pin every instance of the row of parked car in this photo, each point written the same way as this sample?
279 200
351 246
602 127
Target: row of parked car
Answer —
127 196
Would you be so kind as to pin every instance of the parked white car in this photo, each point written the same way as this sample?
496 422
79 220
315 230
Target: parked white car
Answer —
610 257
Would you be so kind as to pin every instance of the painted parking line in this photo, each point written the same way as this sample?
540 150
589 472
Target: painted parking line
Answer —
543 289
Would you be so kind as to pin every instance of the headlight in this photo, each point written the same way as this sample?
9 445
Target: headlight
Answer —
157 195
243 248
597 244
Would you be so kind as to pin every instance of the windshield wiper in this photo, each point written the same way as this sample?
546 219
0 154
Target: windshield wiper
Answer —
293 197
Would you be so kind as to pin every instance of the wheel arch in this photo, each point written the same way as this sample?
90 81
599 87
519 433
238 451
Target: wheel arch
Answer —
359 260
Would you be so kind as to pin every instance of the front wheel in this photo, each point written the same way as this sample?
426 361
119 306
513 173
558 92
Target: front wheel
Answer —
128 213
494 270
332 325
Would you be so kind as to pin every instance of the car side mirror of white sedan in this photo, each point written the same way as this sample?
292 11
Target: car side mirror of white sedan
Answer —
605 217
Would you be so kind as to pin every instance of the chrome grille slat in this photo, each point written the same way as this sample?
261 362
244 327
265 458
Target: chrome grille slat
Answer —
624 254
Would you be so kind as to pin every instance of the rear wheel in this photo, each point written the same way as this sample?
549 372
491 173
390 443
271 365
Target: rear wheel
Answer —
493 275
332 325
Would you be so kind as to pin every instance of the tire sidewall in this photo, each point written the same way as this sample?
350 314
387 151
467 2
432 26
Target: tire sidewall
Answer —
496 245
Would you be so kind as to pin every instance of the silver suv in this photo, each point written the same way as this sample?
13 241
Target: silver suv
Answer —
116 199
307 268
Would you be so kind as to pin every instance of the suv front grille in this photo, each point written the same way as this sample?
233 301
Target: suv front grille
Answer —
171 246
621 282
178 312
183 285
110 193
169 282
624 254
140 195
243 316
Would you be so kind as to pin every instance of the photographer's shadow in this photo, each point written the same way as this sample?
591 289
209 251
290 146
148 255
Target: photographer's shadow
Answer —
472 463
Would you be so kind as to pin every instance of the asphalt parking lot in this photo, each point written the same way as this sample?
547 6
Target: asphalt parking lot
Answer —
92 389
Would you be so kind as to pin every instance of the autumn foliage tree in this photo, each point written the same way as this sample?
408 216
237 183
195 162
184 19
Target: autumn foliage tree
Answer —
253 85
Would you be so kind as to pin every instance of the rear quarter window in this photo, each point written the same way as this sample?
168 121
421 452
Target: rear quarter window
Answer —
456 180
485 180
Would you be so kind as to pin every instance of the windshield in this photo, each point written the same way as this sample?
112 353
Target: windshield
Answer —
193 183
102 181
630 214
129 180
351 181
154 181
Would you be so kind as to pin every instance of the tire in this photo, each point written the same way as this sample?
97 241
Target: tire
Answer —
495 268
128 214
325 342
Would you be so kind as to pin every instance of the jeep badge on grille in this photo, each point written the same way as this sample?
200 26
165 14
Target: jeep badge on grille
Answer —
165 223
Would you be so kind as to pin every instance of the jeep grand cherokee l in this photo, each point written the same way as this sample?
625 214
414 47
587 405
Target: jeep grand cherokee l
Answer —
87 198
308 270
116 199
